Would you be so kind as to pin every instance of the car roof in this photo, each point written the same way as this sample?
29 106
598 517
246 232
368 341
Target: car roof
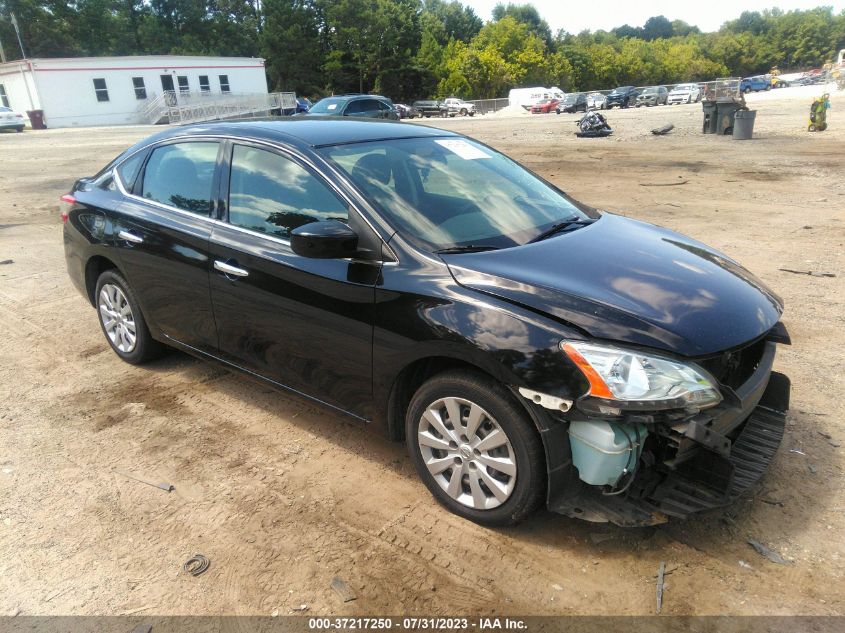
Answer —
304 131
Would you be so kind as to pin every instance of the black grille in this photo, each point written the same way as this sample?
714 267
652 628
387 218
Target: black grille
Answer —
734 368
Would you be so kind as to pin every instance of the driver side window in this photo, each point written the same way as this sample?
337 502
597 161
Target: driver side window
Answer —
272 194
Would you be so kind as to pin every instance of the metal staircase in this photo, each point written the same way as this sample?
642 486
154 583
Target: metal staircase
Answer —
179 108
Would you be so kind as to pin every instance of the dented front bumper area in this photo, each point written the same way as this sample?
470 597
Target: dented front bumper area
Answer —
690 463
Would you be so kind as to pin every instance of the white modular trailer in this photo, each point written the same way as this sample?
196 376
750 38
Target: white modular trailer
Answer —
527 97
86 91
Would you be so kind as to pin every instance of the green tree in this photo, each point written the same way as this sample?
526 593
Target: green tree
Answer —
290 42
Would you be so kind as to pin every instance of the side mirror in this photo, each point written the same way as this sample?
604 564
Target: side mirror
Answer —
329 239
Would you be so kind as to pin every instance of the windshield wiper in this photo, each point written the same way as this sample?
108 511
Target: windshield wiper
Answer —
468 248
562 226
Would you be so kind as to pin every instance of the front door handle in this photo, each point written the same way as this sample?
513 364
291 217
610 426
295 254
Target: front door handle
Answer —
228 269
129 236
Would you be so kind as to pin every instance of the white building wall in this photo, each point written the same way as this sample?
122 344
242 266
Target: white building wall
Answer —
15 79
65 87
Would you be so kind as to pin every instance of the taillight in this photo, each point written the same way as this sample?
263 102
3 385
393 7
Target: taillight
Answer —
67 202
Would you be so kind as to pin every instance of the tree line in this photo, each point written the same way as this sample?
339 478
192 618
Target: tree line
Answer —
409 49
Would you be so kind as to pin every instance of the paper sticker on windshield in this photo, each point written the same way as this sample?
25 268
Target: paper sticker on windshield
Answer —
332 106
463 149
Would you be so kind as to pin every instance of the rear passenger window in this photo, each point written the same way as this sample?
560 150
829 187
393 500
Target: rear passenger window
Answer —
181 175
272 194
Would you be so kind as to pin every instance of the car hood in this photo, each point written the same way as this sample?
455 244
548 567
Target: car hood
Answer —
680 91
631 282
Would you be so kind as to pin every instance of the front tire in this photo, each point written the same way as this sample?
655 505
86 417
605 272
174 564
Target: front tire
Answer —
475 448
121 320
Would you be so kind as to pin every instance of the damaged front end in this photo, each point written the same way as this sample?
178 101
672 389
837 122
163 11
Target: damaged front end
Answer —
702 443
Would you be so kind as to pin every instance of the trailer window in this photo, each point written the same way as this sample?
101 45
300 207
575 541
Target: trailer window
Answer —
183 83
140 88
205 86
4 100
224 83
101 90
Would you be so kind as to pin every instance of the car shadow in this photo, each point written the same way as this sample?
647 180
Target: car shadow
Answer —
775 510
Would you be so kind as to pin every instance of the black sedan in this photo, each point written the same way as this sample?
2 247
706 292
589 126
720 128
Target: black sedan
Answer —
528 348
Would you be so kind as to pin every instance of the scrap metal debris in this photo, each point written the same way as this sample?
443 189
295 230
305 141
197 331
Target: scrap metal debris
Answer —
343 590
196 565
660 576
811 273
162 486
660 131
745 565
301 608
768 553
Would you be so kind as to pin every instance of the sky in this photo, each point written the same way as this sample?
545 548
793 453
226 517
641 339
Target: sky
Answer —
576 15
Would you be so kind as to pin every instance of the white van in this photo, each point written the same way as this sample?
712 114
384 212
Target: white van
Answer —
527 97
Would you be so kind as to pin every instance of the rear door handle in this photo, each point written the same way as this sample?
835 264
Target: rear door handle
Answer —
129 236
228 269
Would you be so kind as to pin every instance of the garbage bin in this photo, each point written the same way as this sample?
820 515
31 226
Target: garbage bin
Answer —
744 124
725 111
709 125
36 119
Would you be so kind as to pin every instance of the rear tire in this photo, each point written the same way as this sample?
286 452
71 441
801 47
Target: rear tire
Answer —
121 320
490 430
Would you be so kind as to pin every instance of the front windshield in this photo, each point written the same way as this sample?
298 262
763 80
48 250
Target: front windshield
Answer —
452 192
570 99
620 90
649 91
328 105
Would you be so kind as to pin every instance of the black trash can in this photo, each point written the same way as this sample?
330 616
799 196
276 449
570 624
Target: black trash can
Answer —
725 111
36 119
709 124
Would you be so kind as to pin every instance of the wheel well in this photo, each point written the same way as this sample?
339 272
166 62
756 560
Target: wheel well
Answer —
95 267
409 380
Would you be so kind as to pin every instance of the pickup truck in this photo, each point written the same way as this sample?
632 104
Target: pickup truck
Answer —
755 83
459 106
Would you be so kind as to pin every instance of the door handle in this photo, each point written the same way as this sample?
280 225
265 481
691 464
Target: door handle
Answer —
129 236
228 269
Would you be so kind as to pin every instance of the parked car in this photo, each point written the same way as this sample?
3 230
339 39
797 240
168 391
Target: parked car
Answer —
545 106
11 120
596 100
623 97
528 348
573 102
684 93
406 111
431 108
653 96
302 104
362 106
459 106
756 84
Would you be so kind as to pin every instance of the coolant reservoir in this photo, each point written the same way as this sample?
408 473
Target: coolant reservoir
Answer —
604 451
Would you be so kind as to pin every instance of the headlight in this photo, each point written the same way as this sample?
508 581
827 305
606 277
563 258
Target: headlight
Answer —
631 377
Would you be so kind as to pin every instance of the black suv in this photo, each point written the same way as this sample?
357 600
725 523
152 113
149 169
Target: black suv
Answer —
364 106
623 97
526 347
430 108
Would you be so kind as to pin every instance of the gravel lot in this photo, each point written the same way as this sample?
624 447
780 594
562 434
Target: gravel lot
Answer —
283 496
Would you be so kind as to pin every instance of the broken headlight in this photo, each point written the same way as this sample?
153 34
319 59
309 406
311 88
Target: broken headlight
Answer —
633 378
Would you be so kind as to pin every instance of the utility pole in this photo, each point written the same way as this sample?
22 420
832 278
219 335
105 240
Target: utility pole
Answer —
18 33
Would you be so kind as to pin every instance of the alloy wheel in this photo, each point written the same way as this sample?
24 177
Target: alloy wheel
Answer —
117 318
467 453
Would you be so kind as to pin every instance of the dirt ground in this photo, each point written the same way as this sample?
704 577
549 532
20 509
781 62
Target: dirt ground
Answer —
282 496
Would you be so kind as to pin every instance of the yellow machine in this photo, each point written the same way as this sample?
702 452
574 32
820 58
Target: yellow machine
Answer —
818 114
